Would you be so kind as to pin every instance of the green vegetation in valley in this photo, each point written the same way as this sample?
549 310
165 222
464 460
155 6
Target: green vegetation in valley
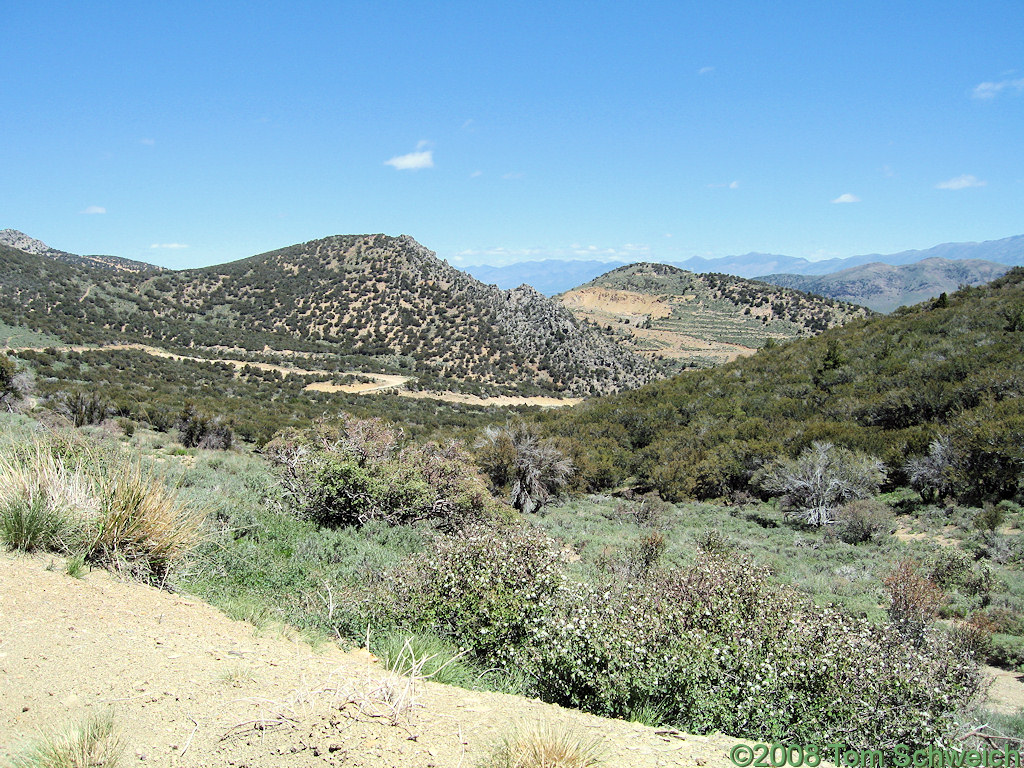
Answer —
131 385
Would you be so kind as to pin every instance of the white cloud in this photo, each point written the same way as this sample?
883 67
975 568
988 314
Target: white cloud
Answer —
965 181
724 185
991 90
94 209
414 161
476 174
847 198
147 142
172 246
705 70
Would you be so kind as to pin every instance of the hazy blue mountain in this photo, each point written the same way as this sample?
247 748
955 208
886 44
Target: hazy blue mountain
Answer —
550 276
1009 251
553 276
883 287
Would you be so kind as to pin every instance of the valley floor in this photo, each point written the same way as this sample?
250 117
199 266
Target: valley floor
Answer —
378 382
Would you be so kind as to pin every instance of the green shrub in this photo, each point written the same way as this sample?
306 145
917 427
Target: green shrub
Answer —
715 646
718 647
862 520
1007 651
989 517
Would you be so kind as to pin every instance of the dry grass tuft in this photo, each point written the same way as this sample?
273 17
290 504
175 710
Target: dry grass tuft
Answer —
64 498
142 526
89 745
544 745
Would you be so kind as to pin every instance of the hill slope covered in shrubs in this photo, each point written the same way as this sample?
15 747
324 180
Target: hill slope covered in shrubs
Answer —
951 371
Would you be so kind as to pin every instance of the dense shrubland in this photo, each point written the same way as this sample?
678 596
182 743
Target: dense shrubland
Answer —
90 386
711 646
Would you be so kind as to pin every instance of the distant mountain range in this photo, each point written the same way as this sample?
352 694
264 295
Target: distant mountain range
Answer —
883 287
555 276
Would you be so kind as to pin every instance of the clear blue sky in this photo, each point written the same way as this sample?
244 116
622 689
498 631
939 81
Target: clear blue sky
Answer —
192 133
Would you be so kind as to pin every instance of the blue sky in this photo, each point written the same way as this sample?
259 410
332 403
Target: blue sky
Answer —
188 133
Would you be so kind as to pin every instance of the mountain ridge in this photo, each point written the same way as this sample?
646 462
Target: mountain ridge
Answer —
696 320
22 242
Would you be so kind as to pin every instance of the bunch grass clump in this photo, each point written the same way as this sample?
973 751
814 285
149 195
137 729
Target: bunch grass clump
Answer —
94 742
434 658
544 745
60 495
141 524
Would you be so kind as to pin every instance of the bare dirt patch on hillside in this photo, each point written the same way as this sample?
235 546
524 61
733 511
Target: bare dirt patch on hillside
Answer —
187 686
608 301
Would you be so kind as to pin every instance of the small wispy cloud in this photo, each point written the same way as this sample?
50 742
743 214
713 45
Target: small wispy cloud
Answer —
94 209
476 174
413 161
172 246
966 181
847 198
992 89
147 142
705 70
725 185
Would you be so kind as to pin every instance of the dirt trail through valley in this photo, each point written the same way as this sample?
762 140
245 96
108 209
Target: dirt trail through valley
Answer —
381 382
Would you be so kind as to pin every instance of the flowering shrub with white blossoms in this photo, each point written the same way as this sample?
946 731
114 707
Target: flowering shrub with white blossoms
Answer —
714 646
483 588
